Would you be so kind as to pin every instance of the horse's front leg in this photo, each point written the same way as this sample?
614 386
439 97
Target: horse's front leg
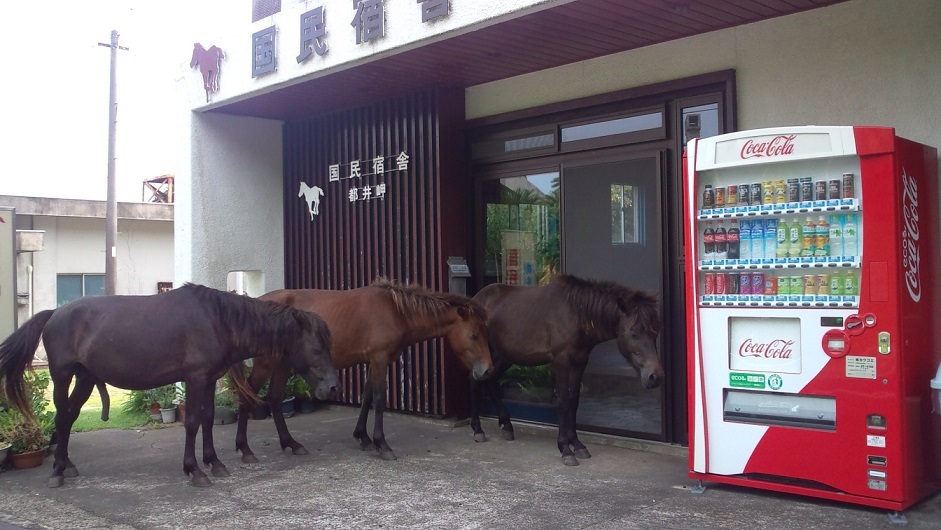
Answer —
276 394
575 389
360 431
564 406
205 414
378 384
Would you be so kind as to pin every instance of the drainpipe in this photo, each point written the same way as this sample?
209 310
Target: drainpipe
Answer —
29 290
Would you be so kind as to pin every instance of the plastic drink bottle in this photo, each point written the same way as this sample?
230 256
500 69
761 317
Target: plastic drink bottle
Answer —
850 243
781 240
757 239
744 240
836 236
722 242
709 240
809 238
733 241
771 238
794 238
822 239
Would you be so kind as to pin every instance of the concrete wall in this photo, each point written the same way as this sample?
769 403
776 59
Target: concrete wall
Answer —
229 209
76 246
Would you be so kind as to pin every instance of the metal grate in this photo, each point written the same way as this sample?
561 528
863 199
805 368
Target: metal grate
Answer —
264 8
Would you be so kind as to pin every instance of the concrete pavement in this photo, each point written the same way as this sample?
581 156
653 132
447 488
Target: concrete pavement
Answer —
442 479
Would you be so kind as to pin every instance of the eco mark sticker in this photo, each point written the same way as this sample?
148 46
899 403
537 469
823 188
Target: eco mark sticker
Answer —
740 380
775 382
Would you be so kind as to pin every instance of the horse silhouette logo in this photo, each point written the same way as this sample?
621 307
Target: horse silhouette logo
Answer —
312 196
209 61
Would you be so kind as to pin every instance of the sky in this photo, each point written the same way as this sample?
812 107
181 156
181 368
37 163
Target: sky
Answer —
56 91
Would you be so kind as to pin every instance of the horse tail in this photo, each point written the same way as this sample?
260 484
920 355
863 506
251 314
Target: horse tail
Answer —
242 388
16 354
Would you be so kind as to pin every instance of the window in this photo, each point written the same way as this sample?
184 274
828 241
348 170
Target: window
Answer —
264 8
631 124
71 287
624 214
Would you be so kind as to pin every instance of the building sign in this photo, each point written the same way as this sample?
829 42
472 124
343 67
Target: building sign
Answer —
519 257
263 52
209 62
368 25
356 169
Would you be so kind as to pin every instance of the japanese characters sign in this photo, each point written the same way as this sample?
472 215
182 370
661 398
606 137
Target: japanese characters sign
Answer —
360 168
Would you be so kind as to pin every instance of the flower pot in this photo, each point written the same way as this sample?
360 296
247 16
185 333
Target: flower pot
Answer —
168 415
28 460
181 411
260 411
4 450
303 405
287 407
224 415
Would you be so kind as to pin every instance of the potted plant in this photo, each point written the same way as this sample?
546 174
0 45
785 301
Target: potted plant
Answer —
261 409
225 403
28 442
297 387
166 397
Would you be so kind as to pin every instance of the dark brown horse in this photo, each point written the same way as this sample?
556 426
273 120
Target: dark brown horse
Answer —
209 62
560 323
372 325
191 334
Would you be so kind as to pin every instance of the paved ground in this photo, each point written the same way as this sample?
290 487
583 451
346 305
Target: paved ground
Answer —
442 479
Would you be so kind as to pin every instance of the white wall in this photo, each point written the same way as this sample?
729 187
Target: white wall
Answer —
864 62
76 246
229 213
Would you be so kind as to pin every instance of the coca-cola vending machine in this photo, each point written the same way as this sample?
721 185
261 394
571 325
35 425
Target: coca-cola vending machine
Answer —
812 278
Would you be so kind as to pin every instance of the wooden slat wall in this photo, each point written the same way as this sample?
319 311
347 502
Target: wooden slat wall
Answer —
351 243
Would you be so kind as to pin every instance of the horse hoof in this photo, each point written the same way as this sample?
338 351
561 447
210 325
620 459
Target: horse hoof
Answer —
480 437
570 460
202 482
300 450
508 436
220 471
249 458
55 482
582 453
387 455
70 472
365 444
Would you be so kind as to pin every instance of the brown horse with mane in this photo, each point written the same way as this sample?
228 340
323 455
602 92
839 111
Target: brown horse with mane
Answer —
372 325
560 323
201 333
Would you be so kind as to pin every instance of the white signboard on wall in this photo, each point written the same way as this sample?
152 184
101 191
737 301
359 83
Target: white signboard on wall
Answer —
7 273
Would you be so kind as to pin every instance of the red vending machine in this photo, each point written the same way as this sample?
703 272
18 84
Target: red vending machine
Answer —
813 325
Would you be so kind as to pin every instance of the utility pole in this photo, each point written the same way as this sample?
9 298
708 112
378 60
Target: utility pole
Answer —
111 215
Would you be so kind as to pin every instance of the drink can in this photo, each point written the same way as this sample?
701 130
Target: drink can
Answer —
731 195
767 192
771 285
744 194
732 284
797 285
833 189
784 285
848 185
780 192
754 197
823 284
720 283
807 189
720 197
820 190
757 282
744 282
710 281
810 285
708 198
793 190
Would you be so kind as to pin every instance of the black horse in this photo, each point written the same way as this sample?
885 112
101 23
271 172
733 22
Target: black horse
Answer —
192 334
560 323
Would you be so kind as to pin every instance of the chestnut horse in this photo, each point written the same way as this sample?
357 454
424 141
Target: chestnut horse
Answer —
560 323
191 334
372 325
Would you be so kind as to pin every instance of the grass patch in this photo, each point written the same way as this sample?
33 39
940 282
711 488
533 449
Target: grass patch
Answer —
90 417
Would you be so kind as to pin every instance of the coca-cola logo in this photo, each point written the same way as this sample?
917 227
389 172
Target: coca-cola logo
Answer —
911 258
774 349
778 146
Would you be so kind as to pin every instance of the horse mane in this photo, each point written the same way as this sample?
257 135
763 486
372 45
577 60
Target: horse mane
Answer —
260 325
602 302
413 300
